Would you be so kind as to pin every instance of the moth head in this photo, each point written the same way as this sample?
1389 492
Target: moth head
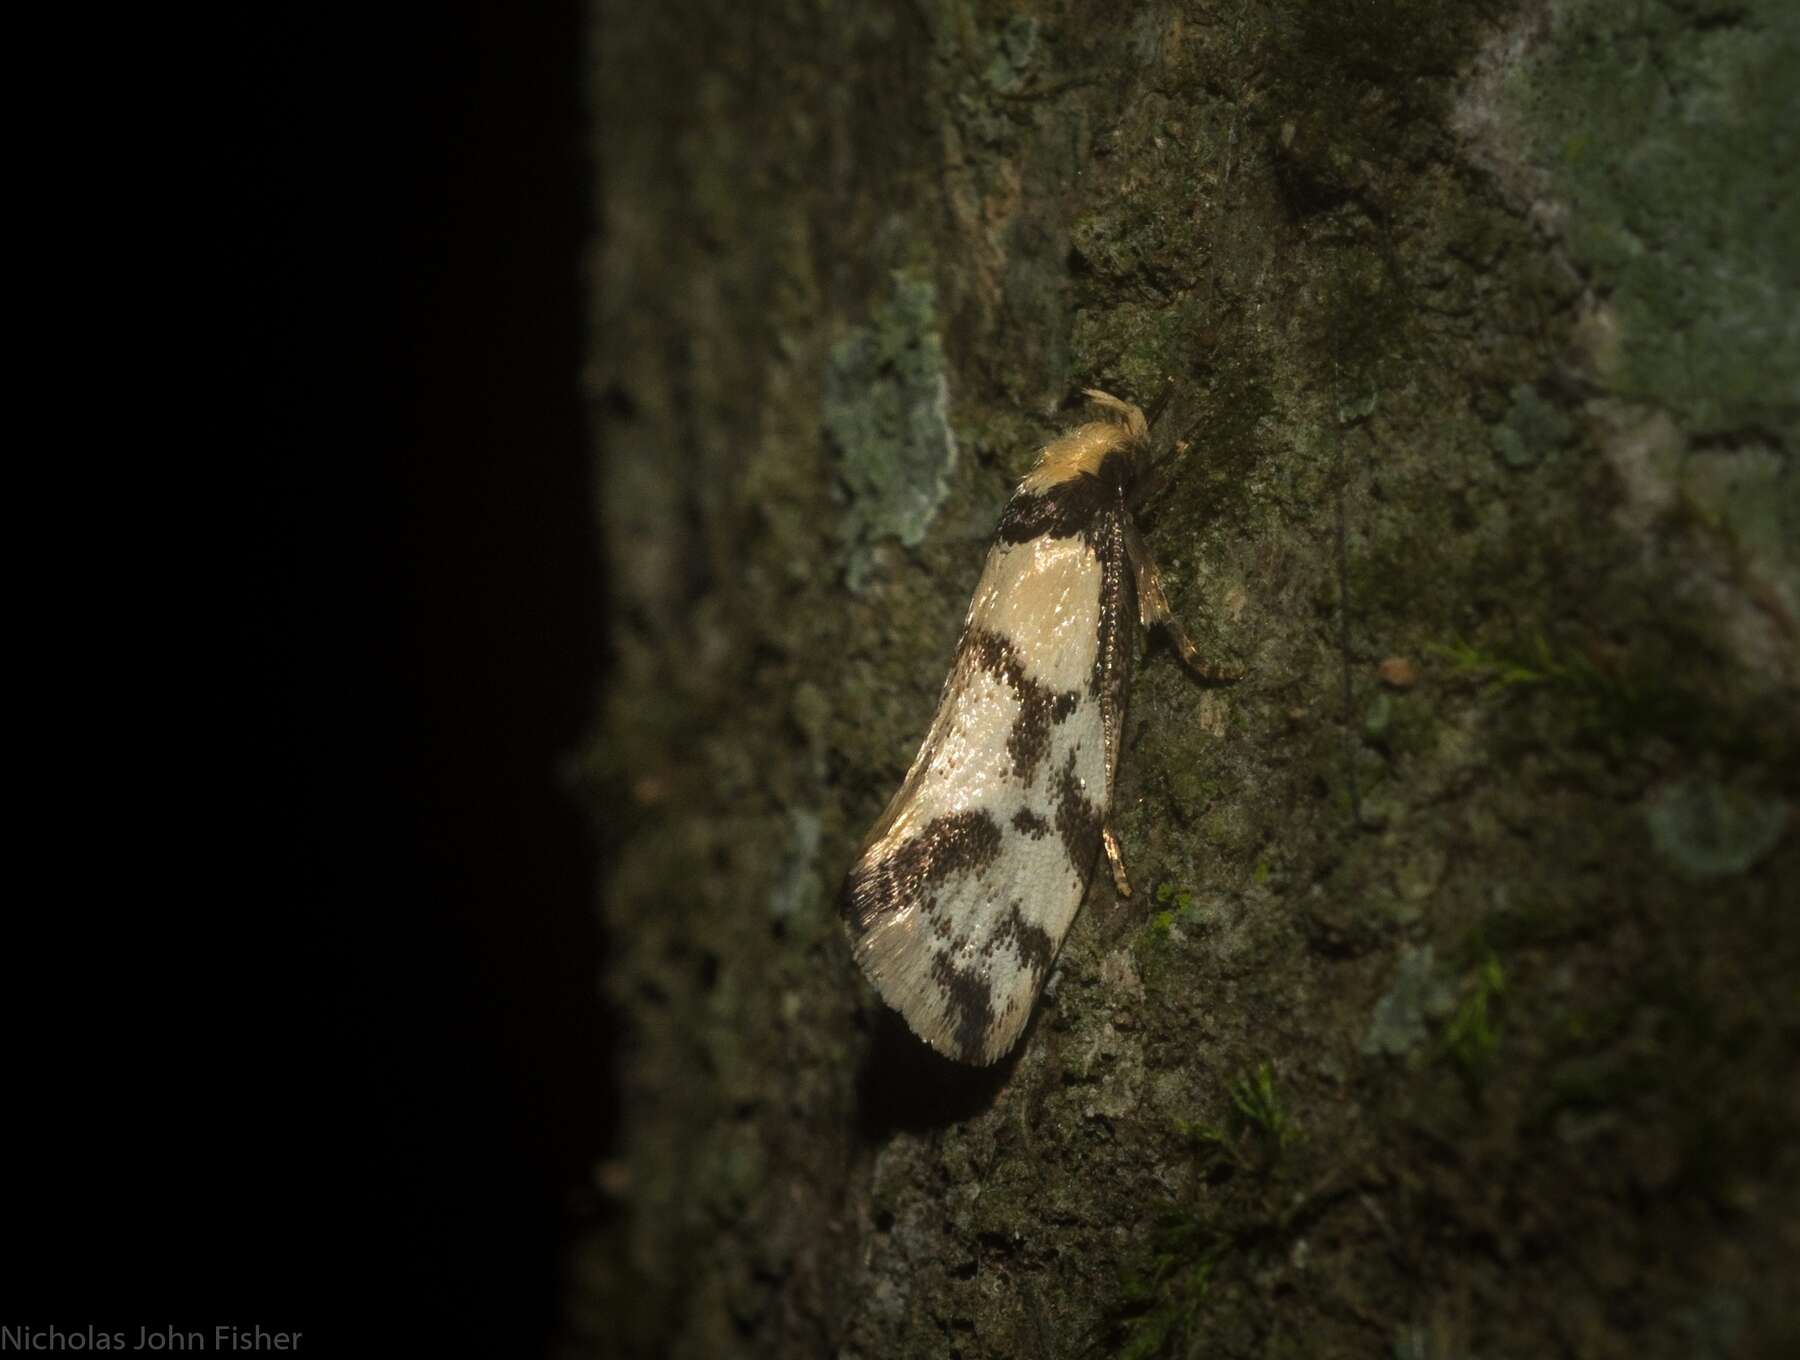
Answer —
1111 448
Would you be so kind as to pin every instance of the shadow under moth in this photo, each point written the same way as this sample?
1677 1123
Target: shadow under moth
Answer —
965 887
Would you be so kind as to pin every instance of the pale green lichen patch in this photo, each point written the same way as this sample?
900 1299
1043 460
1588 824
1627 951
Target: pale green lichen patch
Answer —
1417 997
1753 491
1708 830
1014 50
887 411
1533 429
801 887
1671 131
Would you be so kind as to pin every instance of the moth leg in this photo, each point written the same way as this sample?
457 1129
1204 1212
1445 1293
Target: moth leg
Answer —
1153 609
1156 611
1114 859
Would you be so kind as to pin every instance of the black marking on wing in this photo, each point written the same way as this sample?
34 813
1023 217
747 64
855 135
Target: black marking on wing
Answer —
1039 706
1032 943
969 998
962 842
1069 507
1028 823
1077 819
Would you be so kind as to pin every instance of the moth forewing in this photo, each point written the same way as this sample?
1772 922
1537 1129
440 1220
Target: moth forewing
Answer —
965 888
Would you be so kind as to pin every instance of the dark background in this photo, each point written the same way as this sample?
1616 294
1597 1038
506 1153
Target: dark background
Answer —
312 1040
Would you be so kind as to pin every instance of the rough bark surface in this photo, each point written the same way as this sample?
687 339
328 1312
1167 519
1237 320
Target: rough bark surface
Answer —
1455 1014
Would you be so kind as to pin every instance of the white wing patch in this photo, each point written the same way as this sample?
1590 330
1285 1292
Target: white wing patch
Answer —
965 888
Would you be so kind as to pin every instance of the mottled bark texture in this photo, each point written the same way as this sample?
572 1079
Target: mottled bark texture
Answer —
1455 1012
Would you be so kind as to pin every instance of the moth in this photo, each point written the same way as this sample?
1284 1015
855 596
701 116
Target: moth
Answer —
963 891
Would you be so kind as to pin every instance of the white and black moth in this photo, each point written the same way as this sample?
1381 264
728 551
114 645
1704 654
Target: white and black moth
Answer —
963 890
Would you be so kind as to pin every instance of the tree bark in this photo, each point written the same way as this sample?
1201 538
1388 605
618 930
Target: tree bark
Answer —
1454 1013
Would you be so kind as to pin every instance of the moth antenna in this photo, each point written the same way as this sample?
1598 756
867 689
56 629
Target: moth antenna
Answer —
1135 424
1161 403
